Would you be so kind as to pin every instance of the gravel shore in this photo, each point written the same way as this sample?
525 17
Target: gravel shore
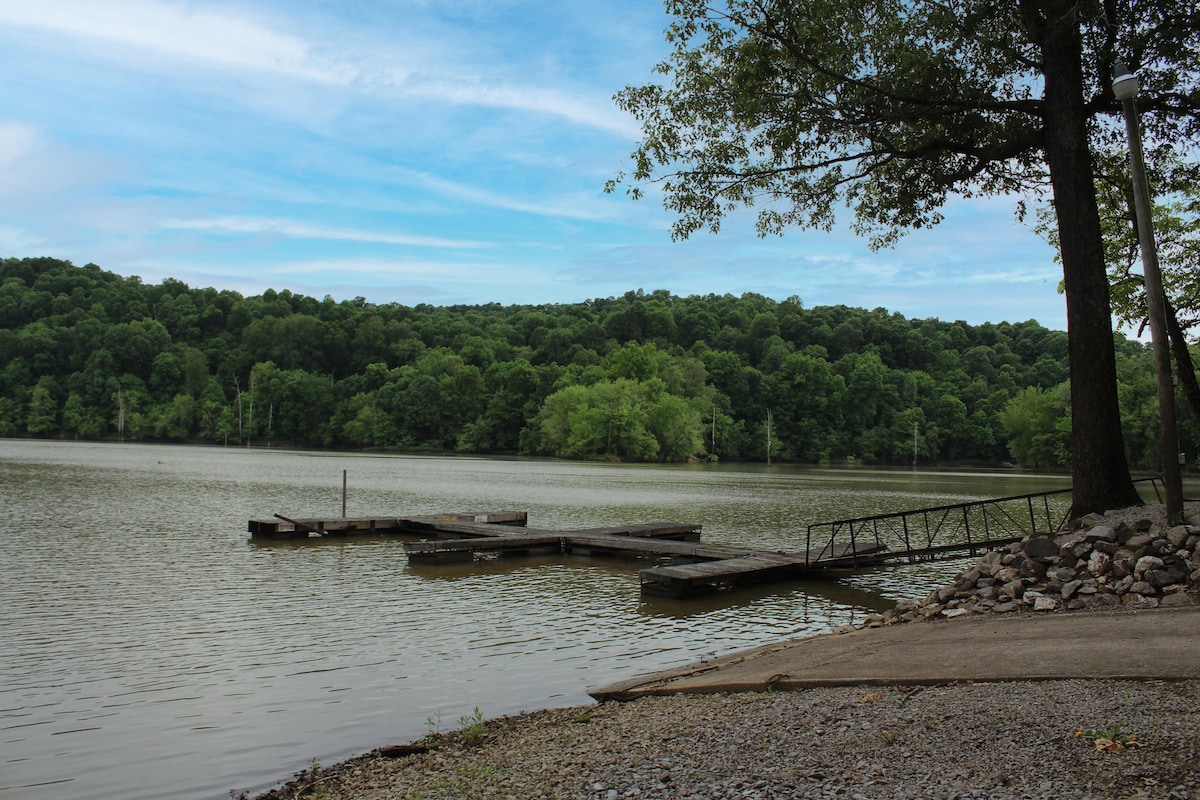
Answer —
1000 740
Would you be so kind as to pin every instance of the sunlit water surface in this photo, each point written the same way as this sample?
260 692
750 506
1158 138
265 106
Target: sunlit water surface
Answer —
150 649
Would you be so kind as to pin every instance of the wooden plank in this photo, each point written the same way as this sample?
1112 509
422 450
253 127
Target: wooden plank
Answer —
523 542
648 530
729 567
465 549
577 542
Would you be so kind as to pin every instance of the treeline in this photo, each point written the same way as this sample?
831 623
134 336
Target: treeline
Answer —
86 353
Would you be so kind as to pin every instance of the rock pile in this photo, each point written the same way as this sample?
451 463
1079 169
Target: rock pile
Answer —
1111 560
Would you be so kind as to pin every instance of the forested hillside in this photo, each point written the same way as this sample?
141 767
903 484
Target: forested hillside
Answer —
86 353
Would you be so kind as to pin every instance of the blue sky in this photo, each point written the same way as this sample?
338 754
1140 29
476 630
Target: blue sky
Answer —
448 151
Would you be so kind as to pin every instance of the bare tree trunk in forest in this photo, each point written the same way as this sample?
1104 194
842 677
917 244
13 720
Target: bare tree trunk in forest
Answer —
1100 470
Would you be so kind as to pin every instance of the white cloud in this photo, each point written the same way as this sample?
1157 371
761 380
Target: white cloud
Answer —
230 39
580 208
177 30
602 115
300 230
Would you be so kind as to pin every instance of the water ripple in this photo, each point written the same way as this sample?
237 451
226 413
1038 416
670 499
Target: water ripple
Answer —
150 650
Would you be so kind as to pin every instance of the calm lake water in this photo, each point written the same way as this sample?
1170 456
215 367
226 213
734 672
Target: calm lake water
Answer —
150 649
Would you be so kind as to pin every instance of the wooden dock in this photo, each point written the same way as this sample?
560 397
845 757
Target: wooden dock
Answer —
281 527
692 568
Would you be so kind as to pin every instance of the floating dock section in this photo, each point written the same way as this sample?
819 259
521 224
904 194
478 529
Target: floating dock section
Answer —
687 566
281 527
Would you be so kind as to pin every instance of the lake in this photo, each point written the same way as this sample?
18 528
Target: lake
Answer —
150 649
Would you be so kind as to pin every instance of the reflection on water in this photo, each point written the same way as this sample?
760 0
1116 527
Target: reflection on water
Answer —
150 649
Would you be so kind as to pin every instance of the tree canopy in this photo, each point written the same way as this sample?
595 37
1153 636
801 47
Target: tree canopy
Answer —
892 107
88 354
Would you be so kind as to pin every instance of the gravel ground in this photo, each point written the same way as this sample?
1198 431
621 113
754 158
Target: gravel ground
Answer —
1000 740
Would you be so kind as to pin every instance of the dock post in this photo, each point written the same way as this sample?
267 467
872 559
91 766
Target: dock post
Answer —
344 494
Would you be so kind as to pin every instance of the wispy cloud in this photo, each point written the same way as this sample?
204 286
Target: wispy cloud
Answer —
234 40
177 30
464 90
301 230
579 208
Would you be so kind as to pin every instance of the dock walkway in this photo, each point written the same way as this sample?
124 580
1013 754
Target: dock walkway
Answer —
692 567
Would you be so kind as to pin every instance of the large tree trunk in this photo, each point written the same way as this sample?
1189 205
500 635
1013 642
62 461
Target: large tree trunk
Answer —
1099 470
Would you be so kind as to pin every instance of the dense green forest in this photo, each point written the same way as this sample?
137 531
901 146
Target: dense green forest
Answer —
88 354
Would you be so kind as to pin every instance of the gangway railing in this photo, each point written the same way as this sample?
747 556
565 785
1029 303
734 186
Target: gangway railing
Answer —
943 532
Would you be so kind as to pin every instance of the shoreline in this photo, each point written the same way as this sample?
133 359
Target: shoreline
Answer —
1020 739
1062 736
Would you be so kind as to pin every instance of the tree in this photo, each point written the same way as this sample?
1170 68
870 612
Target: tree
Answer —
894 106
1177 233
1033 420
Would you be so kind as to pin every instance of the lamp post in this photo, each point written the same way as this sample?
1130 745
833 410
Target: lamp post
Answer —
1125 87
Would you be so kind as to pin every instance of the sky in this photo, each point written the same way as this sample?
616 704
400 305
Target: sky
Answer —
442 152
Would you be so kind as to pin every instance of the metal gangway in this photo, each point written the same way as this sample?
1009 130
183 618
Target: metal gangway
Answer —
942 533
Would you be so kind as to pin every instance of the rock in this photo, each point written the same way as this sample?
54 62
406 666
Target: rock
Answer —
1045 602
1141 587
1063 574
1068 542
1177 536
1032 569
1069 588
1146 563
1099 563
968 578
1003 608
1101 533
1013 590
1175 599
1139 541
1158 578
1040 547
